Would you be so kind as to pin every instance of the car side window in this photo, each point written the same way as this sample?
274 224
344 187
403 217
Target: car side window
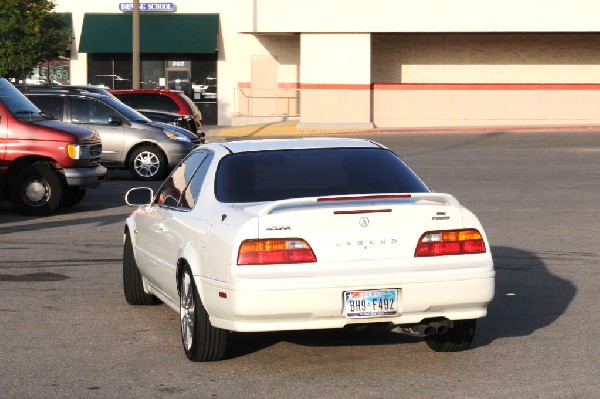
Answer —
84 110
174 192
80 110
193 188
53 105
150 101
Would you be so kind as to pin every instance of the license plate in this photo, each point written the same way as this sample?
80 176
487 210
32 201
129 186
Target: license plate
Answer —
372 303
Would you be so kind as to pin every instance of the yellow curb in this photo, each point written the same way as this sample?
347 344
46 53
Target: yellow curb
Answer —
278 130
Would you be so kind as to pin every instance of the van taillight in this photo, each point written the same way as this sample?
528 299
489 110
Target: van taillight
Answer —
450 242
274 251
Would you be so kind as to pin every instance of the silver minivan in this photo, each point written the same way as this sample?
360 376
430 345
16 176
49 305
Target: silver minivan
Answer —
129 139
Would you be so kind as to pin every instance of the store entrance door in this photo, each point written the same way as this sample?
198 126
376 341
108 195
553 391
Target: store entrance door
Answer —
179 79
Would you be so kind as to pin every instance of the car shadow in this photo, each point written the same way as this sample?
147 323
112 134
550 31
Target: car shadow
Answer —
109 195
528 298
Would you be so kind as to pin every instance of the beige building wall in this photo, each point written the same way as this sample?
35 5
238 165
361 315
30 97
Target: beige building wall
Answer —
335 74
268 82
486 58
508 79
471 108
347 16
334 53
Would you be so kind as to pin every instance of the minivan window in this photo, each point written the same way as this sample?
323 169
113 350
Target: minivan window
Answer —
282 174
84 110
129 113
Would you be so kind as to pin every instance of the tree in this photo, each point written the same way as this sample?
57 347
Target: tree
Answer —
30 33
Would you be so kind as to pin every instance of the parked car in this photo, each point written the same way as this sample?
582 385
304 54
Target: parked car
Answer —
130 140
162 100
304 234
171 118
44 163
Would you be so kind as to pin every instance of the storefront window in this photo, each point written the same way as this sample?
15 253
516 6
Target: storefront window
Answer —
123 73
204 79
55 71
152 74
194 74
100 71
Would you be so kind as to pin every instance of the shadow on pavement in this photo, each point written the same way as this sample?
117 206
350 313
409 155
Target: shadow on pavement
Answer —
528 298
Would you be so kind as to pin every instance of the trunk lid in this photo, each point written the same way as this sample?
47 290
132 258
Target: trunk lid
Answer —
372 227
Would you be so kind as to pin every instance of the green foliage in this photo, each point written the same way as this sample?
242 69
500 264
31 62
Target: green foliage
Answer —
30 32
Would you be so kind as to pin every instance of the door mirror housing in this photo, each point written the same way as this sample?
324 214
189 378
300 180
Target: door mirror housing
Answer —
139 196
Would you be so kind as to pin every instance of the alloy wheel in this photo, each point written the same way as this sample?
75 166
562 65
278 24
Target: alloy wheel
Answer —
146 164
187 308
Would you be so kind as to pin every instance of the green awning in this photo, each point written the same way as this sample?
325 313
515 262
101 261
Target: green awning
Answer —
66 19
159 33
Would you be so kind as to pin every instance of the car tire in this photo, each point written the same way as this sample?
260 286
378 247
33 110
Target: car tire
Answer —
148 163
36 190
201 341
133 286
72 196
458 338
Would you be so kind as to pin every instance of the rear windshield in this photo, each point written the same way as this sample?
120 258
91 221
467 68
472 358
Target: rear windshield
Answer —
283 174
149 101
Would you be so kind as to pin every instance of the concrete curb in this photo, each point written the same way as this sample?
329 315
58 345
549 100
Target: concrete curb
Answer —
291 129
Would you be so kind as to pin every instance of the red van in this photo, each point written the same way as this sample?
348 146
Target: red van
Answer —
44 163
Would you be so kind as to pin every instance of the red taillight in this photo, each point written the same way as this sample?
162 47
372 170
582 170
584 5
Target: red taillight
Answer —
450 242
274 251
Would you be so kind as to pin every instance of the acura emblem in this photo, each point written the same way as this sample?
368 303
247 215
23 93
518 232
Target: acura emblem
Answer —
364 222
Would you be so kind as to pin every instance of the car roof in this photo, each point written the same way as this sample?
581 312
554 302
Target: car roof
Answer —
296 143
69 93
145 91
67 89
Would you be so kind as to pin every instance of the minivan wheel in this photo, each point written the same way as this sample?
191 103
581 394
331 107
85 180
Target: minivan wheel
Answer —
201 341
36 190
148 163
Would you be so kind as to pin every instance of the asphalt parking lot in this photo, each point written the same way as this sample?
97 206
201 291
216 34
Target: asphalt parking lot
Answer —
68 332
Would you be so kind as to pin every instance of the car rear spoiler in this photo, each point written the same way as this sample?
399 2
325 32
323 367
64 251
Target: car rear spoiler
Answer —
353 200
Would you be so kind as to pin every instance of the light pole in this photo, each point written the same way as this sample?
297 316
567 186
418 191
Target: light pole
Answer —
136 45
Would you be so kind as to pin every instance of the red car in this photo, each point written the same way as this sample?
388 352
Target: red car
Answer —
174 101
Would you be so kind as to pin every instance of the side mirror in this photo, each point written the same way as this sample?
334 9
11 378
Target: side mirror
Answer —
115 121
139 196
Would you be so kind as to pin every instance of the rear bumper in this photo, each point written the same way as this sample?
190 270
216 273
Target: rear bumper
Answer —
85 177
307 308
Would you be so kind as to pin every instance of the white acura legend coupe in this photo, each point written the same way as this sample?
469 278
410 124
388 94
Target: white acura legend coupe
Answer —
304 234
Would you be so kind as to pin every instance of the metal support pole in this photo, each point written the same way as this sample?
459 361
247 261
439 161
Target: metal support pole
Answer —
136 45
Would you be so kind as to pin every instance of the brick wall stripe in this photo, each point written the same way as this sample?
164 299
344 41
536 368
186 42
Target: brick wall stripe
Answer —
434 86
